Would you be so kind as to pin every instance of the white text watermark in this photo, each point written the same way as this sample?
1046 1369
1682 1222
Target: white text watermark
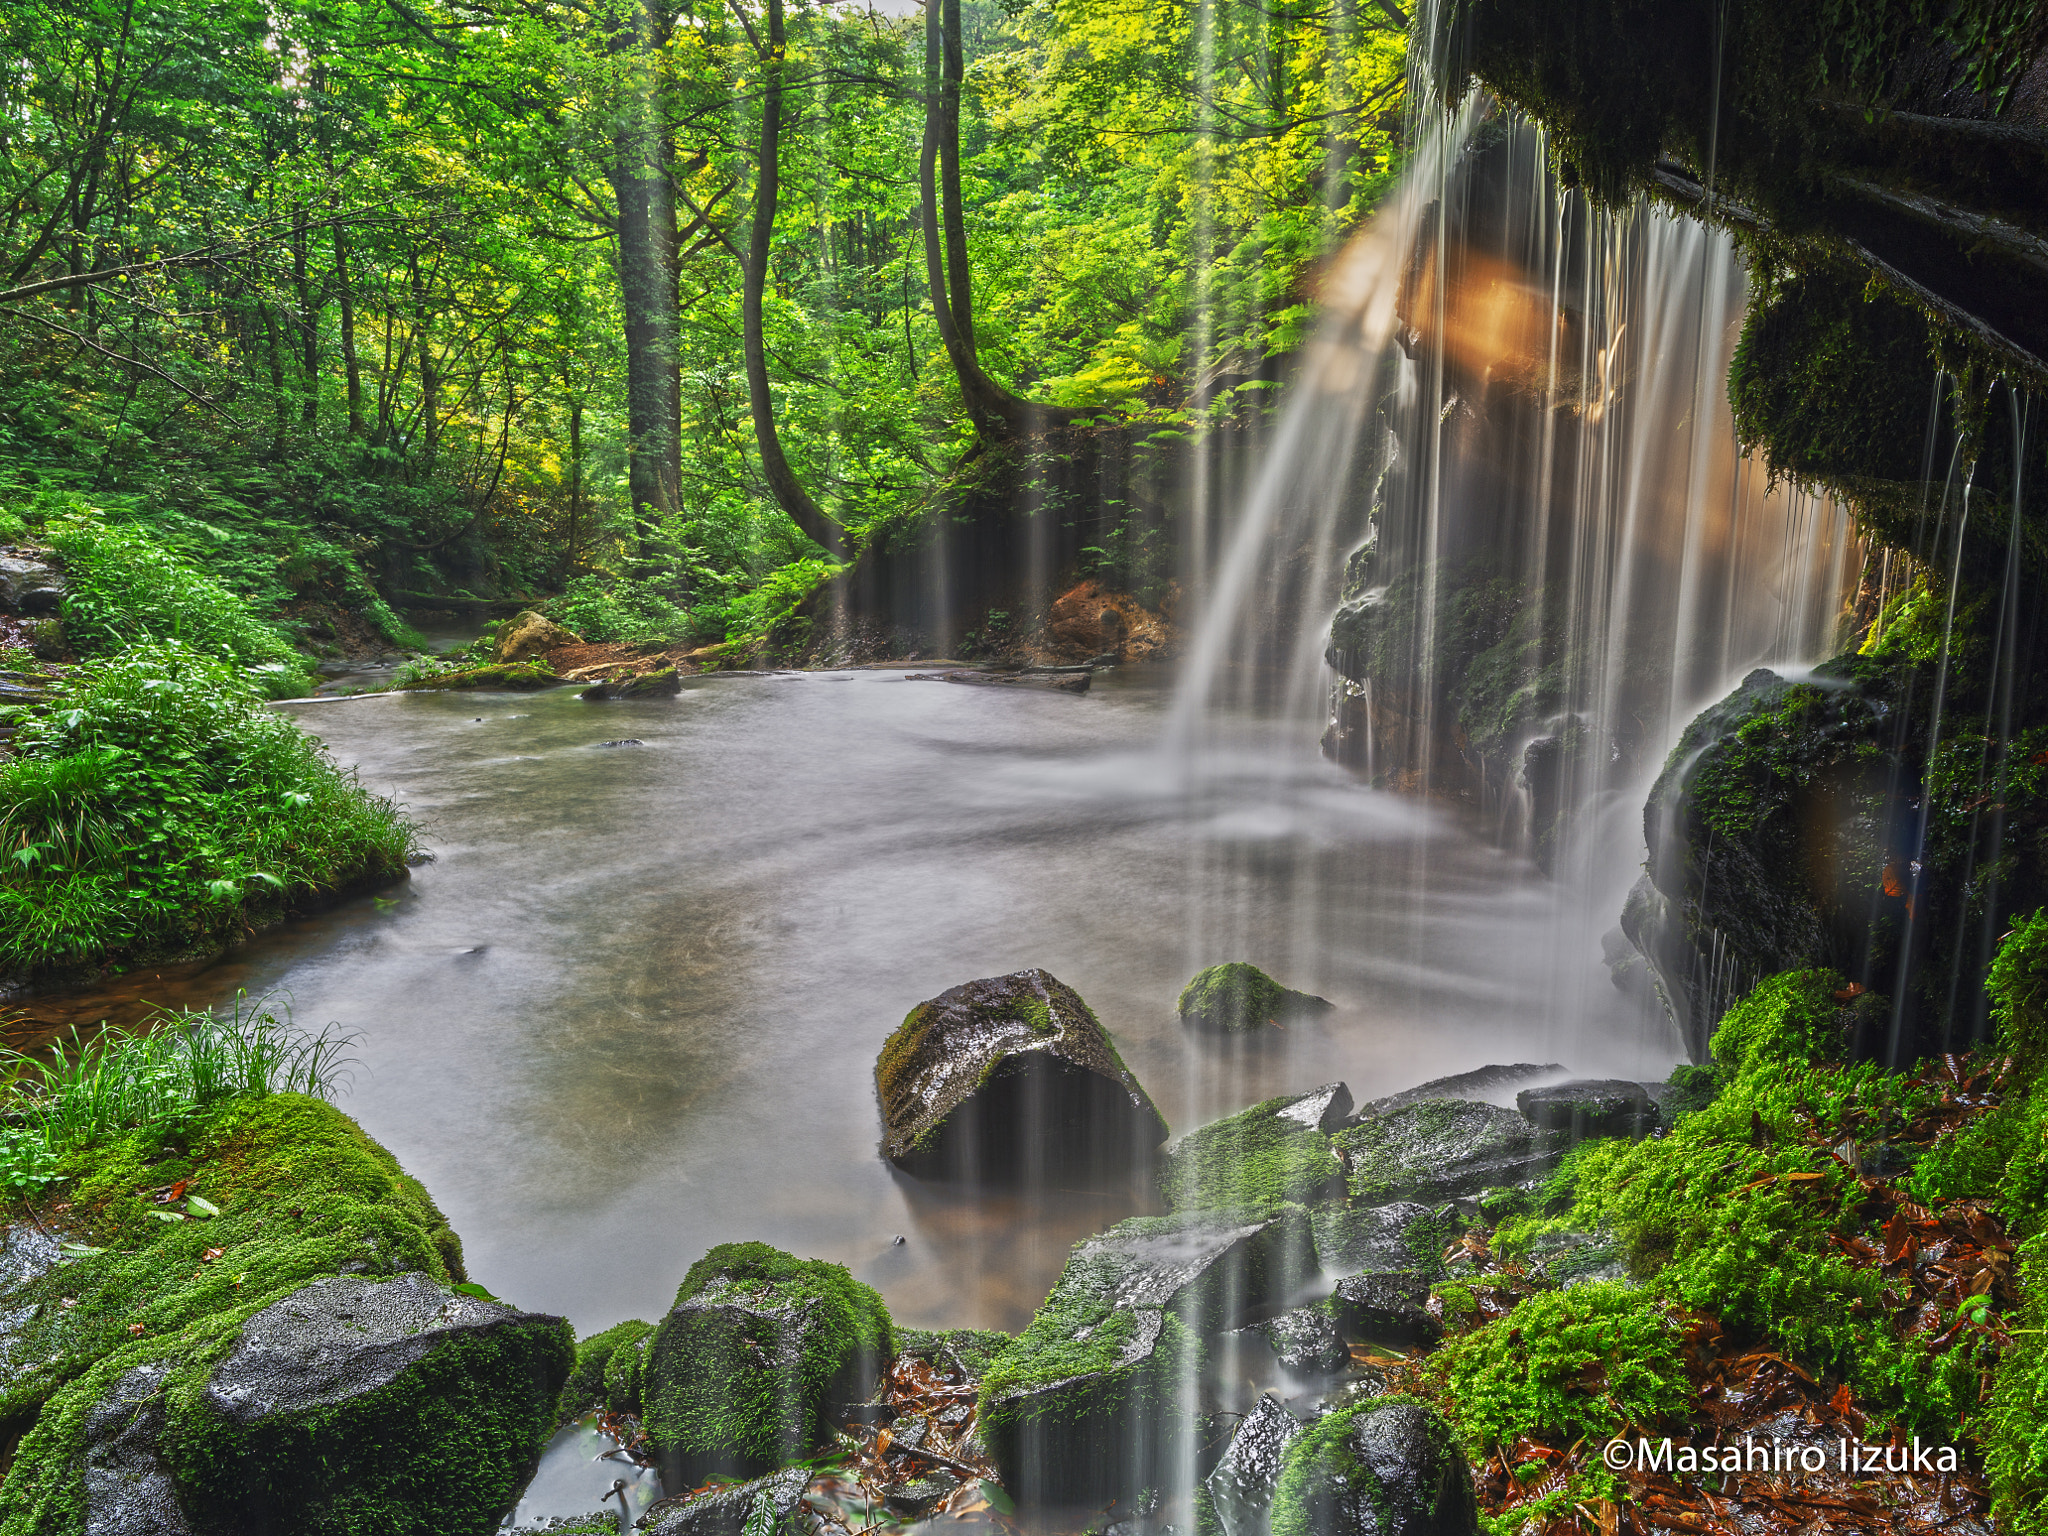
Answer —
1850 1457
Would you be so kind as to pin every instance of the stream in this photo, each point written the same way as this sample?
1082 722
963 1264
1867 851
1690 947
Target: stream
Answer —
632 1007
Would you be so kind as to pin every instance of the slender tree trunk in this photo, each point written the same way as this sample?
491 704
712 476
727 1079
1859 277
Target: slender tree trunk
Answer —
309 322
995 410
351 369
430 375
575 488
648 268
280 404
789 492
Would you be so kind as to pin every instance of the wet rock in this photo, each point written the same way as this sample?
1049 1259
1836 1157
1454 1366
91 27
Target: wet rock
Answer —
1487 1084
1082 1408
528 634
726 1511
664 684
1241 1487
1012 1078
338 1403
971 1349
1237 998
597 1523
1305 1341
742 1375
1351 1239
29 586
1389 1307
1588 1107
1434 1150
1256 1160
917 1497
516 677
624 741
1379 1469
128 1489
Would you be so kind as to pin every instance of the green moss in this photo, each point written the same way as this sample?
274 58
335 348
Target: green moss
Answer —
1582 1362
1251 1163
1321 1459
972 1348
1236 997
741 1373
518 676
614 1353
1789 1020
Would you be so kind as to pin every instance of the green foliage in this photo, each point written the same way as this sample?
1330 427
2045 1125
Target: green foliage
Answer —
177 1067
1569 1363
1251 1164
126 587
619 610
1790 1019
158 808
589 1384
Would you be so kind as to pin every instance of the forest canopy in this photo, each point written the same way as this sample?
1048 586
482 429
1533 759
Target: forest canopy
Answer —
668 305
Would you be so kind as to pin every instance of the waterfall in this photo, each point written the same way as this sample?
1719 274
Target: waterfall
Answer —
1503 545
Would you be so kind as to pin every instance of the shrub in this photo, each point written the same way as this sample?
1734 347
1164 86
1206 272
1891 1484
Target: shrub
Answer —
126 587
158 807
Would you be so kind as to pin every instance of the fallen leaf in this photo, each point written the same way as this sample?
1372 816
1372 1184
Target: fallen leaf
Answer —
211 1254
199 1205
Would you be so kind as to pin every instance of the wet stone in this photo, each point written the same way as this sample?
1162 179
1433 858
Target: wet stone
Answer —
1378 1470
1241 1487
919 1496
1350 1240
1488 1083
1385 1308
1305 1341
128 1490
1587 1108
1439 1149
29 586
725 1511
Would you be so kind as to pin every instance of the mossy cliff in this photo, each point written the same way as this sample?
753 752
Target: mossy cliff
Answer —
182 1244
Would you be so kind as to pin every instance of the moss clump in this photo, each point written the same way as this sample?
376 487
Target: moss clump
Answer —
1238 998
600 1359
1791 1019
1571 1363
1321 1473
759 1347
1251 1164
973 1349
518 676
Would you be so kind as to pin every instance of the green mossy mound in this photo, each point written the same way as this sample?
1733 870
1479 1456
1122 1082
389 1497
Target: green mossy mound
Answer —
1238 998
1251 1164
758 1352
517 677
607 1371
302 1196
1386 1465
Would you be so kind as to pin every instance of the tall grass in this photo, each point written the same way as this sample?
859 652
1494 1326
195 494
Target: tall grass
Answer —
178 1065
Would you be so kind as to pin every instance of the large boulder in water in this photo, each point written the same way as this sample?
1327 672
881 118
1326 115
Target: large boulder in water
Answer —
1012 1078
1093 1399
1438 1149
758 1353
528 634
1379 1469
336 1408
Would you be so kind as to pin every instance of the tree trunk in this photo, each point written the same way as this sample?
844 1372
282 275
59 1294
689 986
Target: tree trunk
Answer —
995 410
351 369
575 488
309 323
648 269
430 375
789 492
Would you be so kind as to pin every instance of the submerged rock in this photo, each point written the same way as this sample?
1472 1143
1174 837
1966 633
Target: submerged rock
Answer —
1084 1405
1012 1078
338 1404
1379 1469
1241 1488
758 1350
1050 682
727 1511
1238 998
1256 1160
528 634
1590 1107
1438 1149
663 684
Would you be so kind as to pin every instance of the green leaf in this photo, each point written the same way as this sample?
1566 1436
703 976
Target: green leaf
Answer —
998 1500
471 1288
168 1215
199 1205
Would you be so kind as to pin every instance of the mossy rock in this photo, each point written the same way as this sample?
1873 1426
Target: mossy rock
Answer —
516 677
970 1348
136 1401
764 1505
1240 1489
1587 1108
665 683
1259 1159
1434 1150
1350 1240
527 635
1238 998
1373 1469
607 1371
597 1523
760 1351
1012 1079
1090 1403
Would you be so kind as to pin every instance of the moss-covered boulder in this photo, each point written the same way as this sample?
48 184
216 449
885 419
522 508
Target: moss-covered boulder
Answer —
516 677
1385 1307
971 1349
528 634
1091 1397
663 683
1439 1149
760 1351
159 1358
1352 1240
1238 998
1012 1078
1372 1470
1590 1107
1261 1158
764 1506
1241 1487
607 1371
